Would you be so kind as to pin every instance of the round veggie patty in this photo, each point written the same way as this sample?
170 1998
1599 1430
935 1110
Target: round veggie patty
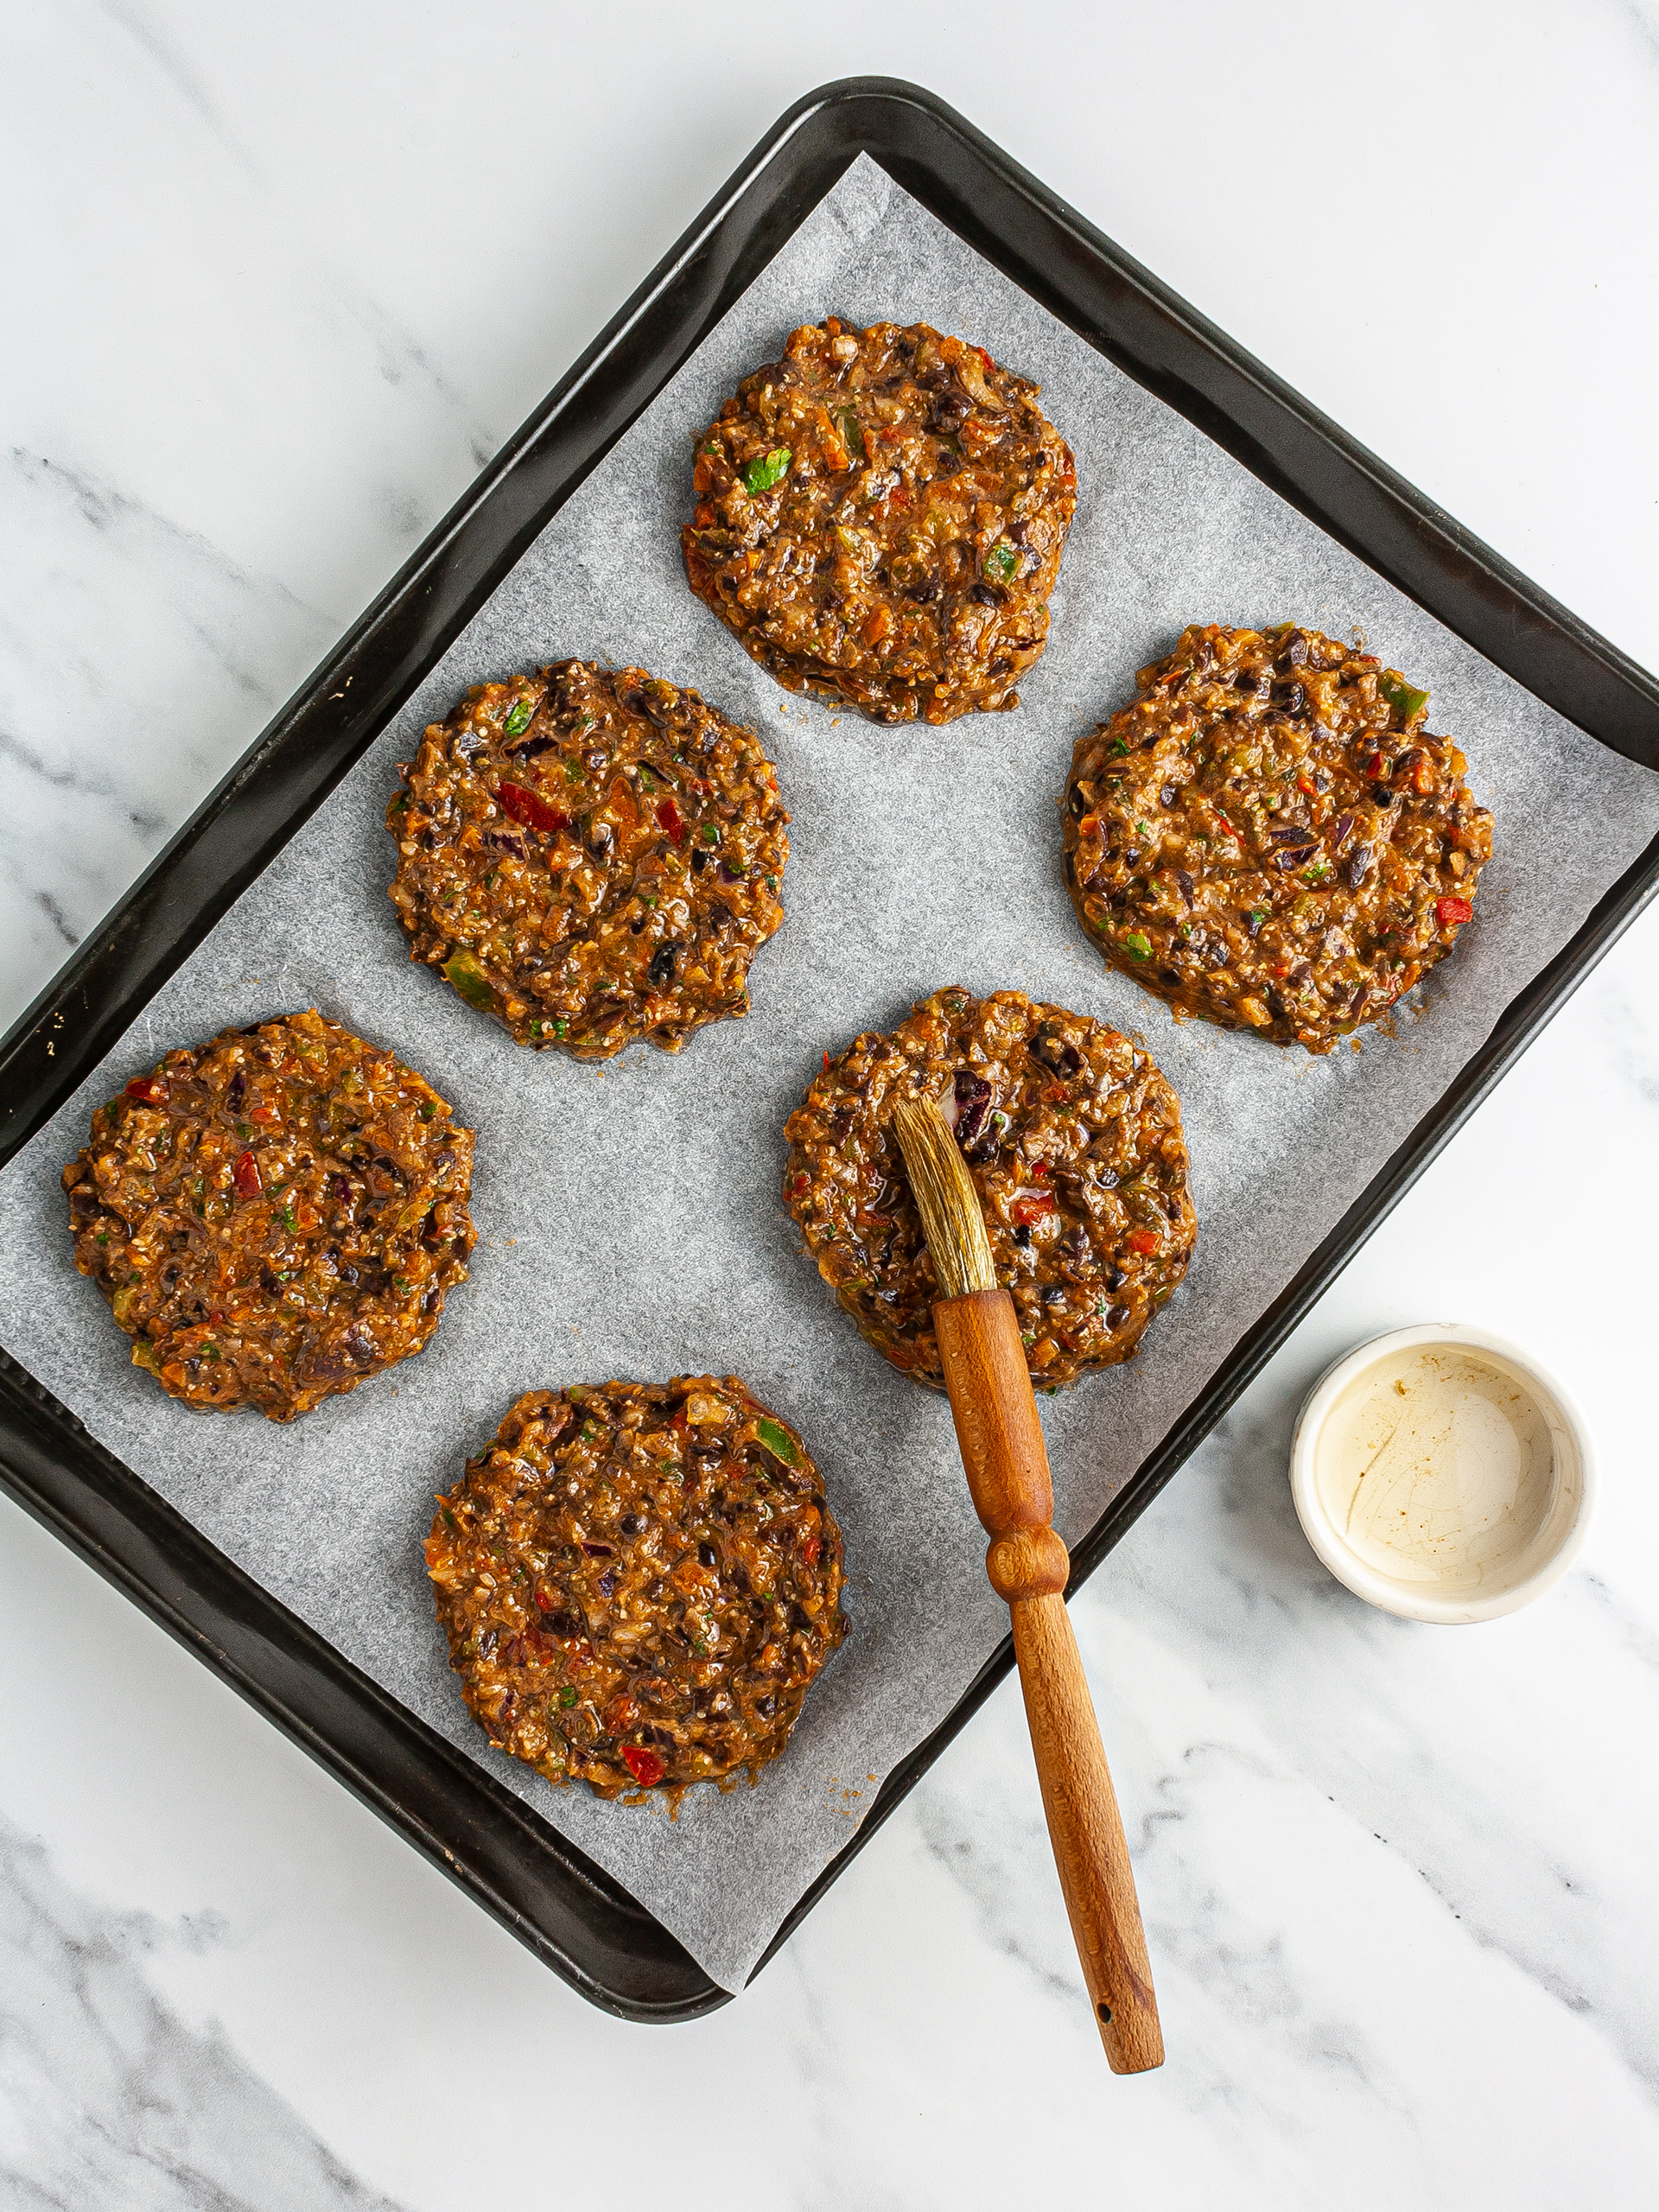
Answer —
880 518
592 856
639 1582
1267 836
274 1215
1073 1139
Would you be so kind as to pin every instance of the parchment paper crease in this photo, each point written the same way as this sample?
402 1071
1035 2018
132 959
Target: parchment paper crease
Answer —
629 1216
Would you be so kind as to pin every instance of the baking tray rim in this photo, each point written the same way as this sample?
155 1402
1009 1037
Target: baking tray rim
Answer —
114 1521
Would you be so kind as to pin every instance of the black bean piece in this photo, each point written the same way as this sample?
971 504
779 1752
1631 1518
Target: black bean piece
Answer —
1073 1059
1381 795
607 1583
721 914
1249 679
600 838
1339 835
563 1621
1359 865
1113 1278
1215 953
985 594
947 463
1054 1295
1188 888
699 860
1169 794
631 1524
238 1088
1022 1236
927 589
1116 1316
1291 833
1170 975
708 1555
1252 921
1300 973
1294 654
661 970
1079 805
599 1551
1291 696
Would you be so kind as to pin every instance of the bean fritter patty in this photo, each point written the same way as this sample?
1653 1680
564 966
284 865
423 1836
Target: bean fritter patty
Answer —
274 1215
639 1582
1266 835
592 856
880 518
1073 1139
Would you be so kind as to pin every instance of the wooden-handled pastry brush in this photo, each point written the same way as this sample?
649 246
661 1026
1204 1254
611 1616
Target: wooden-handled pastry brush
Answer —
1003 1451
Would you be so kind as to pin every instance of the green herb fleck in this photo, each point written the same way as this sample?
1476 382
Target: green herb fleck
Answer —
561 1027
778 1442
710 834
572 773
519 718
1001 562
1137 946
469 979
428 1107
1406 702
1118 745
567 1696
771 468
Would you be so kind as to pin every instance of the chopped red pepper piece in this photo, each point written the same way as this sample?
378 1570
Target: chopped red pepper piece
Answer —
1143 1240
1448 912
529 807
644 1766
245 1176
810 1545
267 1114
147 1088
669 815
1028 1211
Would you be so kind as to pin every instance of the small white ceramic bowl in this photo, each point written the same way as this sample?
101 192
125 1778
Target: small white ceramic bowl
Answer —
1531 1522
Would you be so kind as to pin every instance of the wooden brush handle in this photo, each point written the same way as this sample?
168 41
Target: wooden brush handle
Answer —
1007 1465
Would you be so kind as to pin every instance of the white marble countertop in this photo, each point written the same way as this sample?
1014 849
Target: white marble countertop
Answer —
279 282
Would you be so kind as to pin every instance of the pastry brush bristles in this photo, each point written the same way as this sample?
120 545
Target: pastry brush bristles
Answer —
946 1199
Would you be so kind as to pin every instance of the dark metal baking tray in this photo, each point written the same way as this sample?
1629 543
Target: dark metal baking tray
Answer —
565 1909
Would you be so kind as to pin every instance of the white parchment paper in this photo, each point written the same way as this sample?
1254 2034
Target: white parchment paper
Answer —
629 1216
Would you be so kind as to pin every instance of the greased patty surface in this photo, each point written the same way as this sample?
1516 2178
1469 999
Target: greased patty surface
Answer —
1267 835
1073 1140
592 856
880 518
274 1215
639 1582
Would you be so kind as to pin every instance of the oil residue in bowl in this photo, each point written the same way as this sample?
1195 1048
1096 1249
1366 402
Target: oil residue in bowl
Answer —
1437 1465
